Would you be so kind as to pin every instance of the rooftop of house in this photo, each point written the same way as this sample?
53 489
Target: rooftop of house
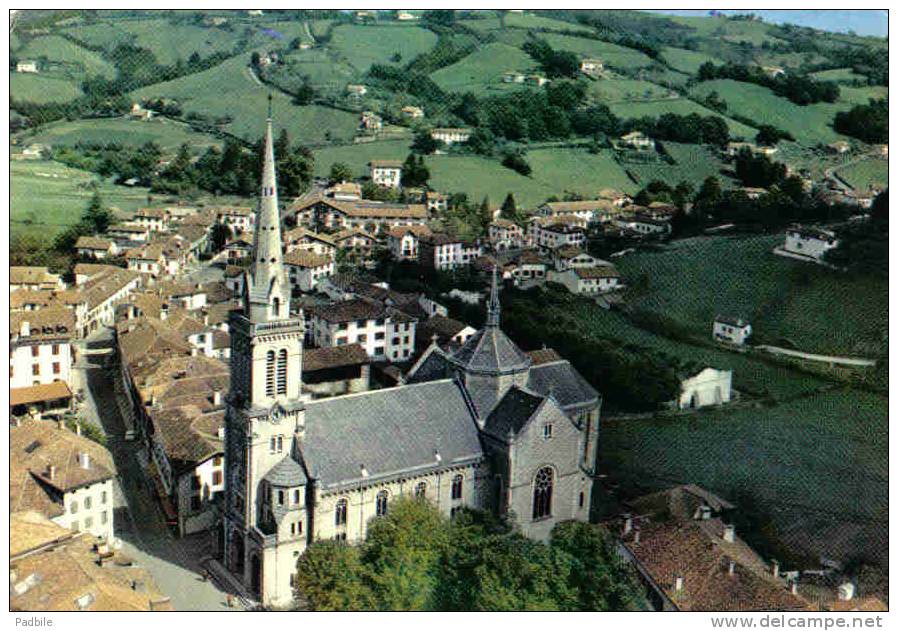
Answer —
301 233
809 232
732 321
597 271
127 228
101 287
557 208
152 213
93 243
441 326
45 392
333 357
385 164
52 323
357 309
233 211
306 259
401 231
93 269
188 435
544 356
24 275
363 208
53 569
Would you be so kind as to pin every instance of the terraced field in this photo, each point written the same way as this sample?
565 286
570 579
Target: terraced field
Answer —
229 90
363 46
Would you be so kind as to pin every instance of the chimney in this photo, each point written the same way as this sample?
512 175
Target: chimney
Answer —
846 591
25 328
51 471
628 524
636 535
732 569
437 456
216 398
729 533
775 569
84 460
363 471
678 584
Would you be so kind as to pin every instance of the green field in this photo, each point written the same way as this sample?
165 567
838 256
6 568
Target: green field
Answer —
728 30
578 171
525 21
616 90
861 96
169 135
316 65
612 54
46 197
810 124
813 308
228 89
817 465
482 70
358 156
363 46
57 49
39 88
839 75
685 60
867 174
694 163
682 107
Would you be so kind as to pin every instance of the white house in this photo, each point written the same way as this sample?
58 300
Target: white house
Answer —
573 258
598 279
128 232
643 224
301 238
733 330
708 387
355 89
505 235
808 243
305 269
442 252
95 247
403 242
153 219
26 66
371 121
386 172
436 202
384 332
412 111
591 66
637 140
450 135
40 360
549 236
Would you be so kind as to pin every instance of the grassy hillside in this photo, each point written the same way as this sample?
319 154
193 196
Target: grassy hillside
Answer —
866 174
316 65
524 21
810 124
363 46
78 60
169 135
38 88
481 71
612 54
578 171
816 309
693 164
616 90
481 177
229 89
677 106
46 197
839 75
358 156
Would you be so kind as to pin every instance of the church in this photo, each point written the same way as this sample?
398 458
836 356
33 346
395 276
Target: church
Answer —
487 426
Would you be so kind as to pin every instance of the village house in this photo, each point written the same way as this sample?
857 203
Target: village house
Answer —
138 112
527 267
807 243
301 238
637 140
102 294
336 370
35 151
442 252
183 294
547 234
839 147
505 235
153 219
386 173
52 568
402 242
753 192
386 333
436 202
40 361
593 210
536 80
597 279
95 247
356 90
21 277
733 149
345 191
237 249
375 217
412 111
238 218
305 269
450 135
643 224
707 387
62 475
684 546
571 257
128 233
26 66
591 66
405 16
355 241
513 76
773 71
446 332
370 121
86 271
732 330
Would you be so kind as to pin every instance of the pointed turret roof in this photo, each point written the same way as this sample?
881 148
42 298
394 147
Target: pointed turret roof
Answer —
266 276
489 350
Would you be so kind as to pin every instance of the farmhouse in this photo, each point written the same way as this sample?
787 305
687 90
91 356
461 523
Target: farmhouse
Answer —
536 80
412 111
733 149
591 66
732 330
26 66
807 243
773 71
371 121
386 172
512 76
707 387
450 135
356 90
597 279
637 140
839 146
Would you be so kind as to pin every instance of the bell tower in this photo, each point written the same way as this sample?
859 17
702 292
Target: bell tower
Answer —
265 407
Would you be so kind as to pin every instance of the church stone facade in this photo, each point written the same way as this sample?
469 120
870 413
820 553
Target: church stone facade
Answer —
488 426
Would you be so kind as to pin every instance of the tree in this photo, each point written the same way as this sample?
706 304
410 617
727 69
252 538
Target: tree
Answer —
414 172
221 233
340 172
769 135
709 193
509 208
516 162
869 123
97 216
424 143
331 577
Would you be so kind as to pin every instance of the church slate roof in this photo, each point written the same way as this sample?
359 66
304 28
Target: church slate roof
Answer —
513 412
566 385
287 472
491 351
388 431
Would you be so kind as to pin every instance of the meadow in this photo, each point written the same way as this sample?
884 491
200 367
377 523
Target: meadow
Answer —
482 70
363 46
57 49
612 54
811 307
626 90
40 88
524 21
169 135
46 197
229 89
693 164
681 107
685 60
357 156
866 174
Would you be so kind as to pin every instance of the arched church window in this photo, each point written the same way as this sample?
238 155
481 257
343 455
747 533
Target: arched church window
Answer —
282 371
269 374
542 493
421 490
340 513
457 483
381 506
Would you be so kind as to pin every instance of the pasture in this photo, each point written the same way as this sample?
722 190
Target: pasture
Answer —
681 107
78 61
357 156
523 21
40 88
612 54
866 174
481 71
616 90
685 60
578 171
168 134
693 163
363 46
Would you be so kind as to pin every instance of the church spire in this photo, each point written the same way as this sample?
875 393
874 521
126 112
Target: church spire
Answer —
268 293
493 308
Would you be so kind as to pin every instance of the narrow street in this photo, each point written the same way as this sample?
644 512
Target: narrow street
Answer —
139 521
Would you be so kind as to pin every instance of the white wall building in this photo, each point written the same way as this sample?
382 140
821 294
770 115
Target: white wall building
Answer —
384 333
588 280
708 387
386 172
810 243
733 330
450 135
306 269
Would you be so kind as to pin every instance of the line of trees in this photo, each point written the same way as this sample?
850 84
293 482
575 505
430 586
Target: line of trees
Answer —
798 88
414 559
869 123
